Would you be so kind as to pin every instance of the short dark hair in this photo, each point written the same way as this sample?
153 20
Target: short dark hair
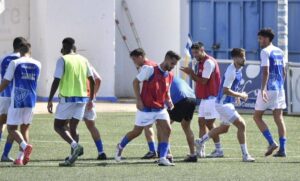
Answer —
171 54
266 32
24 48
197 45
68 45
18 41
237 52
137 52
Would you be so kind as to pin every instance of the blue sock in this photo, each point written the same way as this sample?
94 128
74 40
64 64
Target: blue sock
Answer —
282 141
163 149
267 134
124 142
151 146
7 149
158 149
99 146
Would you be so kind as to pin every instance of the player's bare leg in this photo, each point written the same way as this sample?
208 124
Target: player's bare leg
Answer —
97 138
135 132
93 130
278 118
73 129
25 147
61 128
210 124
218 152
186 126
149 134
200 149
3 118
241 135
164 132
9 140
202 127
262 126
24 128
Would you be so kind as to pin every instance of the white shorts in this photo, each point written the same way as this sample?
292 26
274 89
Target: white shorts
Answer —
148 118
18 116
90 115
207 109
276 100
227 113
70 110
4 105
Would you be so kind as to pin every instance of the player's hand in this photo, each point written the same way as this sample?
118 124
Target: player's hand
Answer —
244 96
170 105
187 70
50 107
139 105
264 96
90 105
238 101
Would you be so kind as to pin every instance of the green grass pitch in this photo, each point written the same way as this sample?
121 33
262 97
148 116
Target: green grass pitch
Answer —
49 149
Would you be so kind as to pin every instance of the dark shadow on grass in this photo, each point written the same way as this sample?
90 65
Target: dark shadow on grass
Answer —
78 164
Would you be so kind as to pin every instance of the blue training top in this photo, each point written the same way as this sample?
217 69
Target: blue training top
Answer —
180 90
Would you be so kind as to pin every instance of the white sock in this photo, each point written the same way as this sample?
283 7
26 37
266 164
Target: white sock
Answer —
244 149
20 155
204 138
23 145
74 144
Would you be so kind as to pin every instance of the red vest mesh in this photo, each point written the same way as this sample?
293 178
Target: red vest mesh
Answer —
213 84
155 90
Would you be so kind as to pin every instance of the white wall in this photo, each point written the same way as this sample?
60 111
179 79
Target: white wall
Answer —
158 25
162 26
14 21
90 23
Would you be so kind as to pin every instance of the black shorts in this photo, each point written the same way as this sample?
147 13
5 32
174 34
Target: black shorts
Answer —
183 109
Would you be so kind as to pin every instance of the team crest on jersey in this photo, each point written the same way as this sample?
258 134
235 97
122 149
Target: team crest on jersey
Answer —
21 94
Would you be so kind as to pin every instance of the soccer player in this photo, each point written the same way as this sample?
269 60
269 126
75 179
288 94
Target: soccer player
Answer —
24 73
151 103
5 96
90 116
184 100
139 58
71 75
271 95
227 96
207 78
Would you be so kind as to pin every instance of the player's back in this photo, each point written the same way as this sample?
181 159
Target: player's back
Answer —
4 62
26 74
180 90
